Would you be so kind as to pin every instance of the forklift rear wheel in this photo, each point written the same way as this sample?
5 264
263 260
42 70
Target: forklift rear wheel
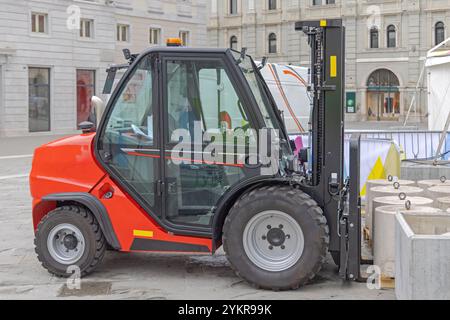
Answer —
276 238
69 236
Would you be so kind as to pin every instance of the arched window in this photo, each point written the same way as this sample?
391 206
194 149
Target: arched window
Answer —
374 38
439 32
391 36
383 95
383 78
234 43
273 43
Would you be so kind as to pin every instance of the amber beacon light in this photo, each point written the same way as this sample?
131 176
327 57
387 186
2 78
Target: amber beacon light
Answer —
174 42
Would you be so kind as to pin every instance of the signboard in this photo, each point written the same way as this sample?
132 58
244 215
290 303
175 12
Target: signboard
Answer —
350 102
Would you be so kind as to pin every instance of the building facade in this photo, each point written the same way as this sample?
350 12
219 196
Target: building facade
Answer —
145 23
53 54
386 45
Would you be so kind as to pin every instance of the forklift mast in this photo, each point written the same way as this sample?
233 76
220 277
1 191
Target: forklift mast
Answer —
335 193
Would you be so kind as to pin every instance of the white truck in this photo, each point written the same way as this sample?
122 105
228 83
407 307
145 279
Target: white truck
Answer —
289 87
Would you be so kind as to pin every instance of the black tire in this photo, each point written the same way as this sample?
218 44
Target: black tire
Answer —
303 210
336 255
95 242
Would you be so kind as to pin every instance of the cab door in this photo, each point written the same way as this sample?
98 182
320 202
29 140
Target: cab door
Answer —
206 136
129 144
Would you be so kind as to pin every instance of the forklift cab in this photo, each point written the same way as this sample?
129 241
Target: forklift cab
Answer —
172 104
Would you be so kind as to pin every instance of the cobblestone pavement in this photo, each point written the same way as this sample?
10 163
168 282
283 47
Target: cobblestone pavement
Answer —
131 276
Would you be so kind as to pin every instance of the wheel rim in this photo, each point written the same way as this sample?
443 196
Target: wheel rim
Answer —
273 241
66 244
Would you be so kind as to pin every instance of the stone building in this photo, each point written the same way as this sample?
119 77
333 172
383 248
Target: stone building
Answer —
386 44
144 23
53 54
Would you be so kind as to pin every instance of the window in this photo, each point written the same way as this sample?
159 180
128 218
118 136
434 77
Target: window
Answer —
322 2
123 31
184 36
39 99
272 4
233 7
273 43
135 101
39 22
129 130
391 37
85 91
256 84
86 28
211 100
374 38
439 32
154 36
234 43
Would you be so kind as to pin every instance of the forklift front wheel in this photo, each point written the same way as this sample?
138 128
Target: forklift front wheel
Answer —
67 237
276 238
273 241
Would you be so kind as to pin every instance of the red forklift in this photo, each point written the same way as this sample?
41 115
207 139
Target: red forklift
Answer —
124 184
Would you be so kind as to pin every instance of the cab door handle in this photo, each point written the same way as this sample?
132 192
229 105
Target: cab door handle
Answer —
160 185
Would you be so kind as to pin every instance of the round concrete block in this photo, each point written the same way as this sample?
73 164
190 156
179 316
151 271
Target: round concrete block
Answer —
396 201
385 191
426 184
443 203
380 183
437 193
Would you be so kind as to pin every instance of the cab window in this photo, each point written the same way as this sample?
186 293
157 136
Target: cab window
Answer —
130 129
202 92
131 120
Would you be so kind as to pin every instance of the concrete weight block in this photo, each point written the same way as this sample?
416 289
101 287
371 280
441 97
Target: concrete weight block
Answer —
422 255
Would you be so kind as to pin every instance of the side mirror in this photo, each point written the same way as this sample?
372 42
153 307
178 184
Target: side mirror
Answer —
87 127
98 107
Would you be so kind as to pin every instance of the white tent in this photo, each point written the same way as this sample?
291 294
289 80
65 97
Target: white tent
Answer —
438 70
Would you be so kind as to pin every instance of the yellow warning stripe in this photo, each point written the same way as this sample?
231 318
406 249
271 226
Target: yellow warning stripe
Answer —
143 234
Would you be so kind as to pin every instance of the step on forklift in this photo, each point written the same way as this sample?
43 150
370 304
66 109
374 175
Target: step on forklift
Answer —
123 185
